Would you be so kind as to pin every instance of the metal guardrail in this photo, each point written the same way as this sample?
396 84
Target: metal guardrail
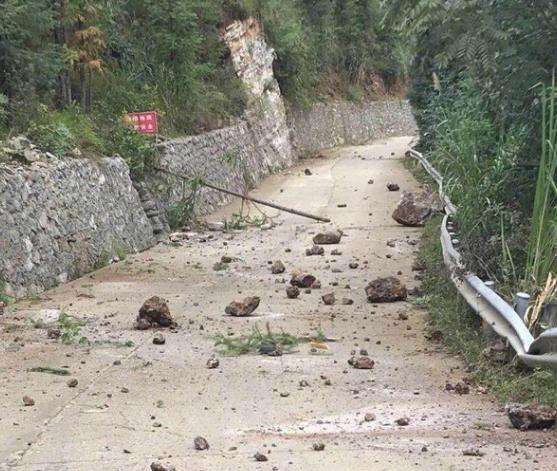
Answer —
503 319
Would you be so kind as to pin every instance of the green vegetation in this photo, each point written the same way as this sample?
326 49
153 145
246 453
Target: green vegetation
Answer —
484 97
243 344
462 333
50 370
70 70
70 329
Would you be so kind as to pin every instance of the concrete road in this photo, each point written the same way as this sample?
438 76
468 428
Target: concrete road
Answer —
137 404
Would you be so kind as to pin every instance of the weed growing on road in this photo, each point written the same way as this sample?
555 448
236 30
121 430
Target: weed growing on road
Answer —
244 344
70 329
461 332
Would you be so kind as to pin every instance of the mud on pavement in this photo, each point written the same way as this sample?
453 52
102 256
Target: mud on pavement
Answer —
116 400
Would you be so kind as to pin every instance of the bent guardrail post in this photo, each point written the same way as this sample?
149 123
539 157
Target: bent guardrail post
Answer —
483 299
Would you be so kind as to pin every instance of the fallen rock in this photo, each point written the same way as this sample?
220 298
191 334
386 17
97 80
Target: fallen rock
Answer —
200 444
72 383
303 280
386 290
292 292
159 339
154 312
213 363
318 446
156 466
277 268
260 457
242 308
393 187
414 210
462 388
531 417
327 238
28 401
315 250
369 417
473 452
307 171
271 350
403 421
329 299
361 363
53 333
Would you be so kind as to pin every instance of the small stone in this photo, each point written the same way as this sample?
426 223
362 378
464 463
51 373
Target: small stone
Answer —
271 349
393 187
336 252
403 421
303 280
156 466
307 171
159 339
461 388
303 383
353 265
284 394
369 417
200 444
72 383
320 446
327 238
315 250
292 292
402 316
370 181
28 401
277 268
347 301
473 452
242 308
361 363
213 363
329 299
53 333
260 457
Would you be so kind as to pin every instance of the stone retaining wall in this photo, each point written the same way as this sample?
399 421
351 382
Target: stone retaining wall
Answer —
61 219
341 123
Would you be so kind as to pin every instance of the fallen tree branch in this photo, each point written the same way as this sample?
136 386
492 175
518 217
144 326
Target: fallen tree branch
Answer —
248 198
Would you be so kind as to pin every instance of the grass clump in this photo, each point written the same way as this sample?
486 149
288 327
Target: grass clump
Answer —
251 343
70 329
461 333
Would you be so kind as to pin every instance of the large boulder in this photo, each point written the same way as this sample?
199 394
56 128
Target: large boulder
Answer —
531 417
386 290
327 238
415 209
243 308
153 313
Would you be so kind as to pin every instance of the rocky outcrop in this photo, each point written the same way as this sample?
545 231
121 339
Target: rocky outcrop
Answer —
59 219
239 156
